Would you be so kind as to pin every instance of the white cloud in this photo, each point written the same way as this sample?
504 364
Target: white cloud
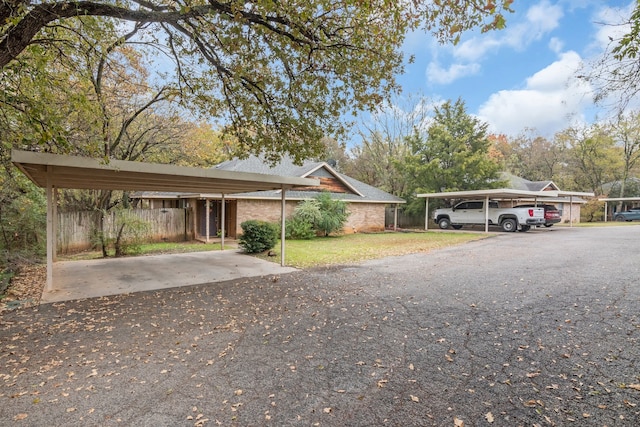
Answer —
437 74
539 20
556 45
607 22
550 101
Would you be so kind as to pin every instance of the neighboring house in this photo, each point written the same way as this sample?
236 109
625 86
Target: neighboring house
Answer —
569 207
366 204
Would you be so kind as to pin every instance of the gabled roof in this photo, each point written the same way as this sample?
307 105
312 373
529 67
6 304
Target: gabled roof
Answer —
285 167
518 183
358 191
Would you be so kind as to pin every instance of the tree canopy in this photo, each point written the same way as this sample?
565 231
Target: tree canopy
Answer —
277 75
455 153
615 75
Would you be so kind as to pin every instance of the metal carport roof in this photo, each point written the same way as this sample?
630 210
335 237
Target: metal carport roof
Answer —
497 193
53 171
606 201
92 174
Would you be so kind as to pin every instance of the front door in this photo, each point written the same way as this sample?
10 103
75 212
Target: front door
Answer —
213 218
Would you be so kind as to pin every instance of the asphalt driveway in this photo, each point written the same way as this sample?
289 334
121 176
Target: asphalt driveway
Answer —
520 329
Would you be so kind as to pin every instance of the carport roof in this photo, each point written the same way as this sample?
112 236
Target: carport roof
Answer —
619 199
503 193
62 171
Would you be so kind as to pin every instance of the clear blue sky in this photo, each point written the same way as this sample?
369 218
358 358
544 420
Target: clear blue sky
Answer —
525 75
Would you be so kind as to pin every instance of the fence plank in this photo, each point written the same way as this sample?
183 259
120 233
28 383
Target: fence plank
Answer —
76 230
404 220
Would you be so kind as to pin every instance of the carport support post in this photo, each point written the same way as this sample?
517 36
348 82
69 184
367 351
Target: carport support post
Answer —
426 213
282 225
486 214
51 234
606 210
395 217
206 204
222 227
570 210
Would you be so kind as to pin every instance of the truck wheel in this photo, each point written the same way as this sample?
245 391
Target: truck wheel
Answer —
525 228
509 225
444 223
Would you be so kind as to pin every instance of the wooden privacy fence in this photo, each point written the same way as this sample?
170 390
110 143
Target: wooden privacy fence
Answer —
404 220
77 230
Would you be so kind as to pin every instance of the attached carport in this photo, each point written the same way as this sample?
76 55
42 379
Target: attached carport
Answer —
54 171
501 194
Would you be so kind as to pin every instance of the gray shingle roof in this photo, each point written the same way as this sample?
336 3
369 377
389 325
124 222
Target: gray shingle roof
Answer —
518 183
287 168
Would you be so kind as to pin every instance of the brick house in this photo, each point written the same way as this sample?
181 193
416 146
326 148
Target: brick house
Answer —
366 204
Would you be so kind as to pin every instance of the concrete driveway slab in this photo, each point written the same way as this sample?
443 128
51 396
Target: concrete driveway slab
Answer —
102 277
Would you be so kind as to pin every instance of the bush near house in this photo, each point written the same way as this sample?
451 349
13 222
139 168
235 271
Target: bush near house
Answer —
318 216
298 228
592 211
258 236
127 236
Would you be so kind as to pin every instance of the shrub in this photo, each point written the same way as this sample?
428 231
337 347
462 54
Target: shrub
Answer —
299 228
333 214
308 211
592 211
125 236
130 233
258 236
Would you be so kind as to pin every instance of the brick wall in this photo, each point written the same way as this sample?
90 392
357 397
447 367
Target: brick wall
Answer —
265 210
365 217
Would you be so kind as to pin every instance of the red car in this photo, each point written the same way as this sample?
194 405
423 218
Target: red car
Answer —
551 213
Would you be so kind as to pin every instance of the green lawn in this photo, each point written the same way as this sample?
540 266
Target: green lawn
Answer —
322 250
358 247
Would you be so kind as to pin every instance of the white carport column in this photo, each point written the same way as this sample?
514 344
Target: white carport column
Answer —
606 210
570 210
486 214
222 227
282 225
207 209
426 214
51 232
395 218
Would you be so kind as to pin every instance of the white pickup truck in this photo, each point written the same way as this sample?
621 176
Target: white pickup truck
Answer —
472 212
